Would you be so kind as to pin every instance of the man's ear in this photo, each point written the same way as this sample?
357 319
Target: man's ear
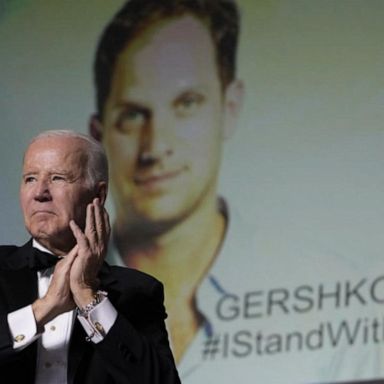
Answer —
102 191
233 102
95 127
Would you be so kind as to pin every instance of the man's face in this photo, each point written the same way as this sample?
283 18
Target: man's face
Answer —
162 123
54 190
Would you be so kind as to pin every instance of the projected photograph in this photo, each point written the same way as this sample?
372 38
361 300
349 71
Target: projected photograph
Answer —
245 142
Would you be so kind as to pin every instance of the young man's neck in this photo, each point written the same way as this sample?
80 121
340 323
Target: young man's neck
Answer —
189 243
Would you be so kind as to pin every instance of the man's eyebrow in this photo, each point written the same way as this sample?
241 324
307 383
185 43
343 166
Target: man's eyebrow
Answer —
129 104
190 91
192 88
53 172
59 171
28 173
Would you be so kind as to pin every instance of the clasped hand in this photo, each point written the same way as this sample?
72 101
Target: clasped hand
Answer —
74 281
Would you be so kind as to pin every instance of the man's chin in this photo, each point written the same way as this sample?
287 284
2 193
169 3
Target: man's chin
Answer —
51 235
159 216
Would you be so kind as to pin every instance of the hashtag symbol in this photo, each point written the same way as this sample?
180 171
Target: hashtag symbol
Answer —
211 347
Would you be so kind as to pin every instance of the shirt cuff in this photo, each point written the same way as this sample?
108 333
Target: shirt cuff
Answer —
22 326
99 321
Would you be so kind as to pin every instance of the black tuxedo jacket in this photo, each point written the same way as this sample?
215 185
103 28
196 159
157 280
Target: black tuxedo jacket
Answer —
135 350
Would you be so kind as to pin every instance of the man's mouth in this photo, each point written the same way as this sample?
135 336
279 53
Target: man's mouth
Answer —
42 212
156 179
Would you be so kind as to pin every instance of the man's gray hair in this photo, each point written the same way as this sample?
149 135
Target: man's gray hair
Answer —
97 164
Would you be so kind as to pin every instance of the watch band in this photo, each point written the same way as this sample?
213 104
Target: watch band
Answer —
97 298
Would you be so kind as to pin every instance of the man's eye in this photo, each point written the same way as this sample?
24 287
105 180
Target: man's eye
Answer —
131 119
188 104
29 179
57 178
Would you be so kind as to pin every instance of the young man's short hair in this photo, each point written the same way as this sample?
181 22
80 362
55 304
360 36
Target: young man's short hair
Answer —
220 16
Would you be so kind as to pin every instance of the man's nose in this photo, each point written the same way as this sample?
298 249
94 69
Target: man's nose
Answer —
42 191
156 141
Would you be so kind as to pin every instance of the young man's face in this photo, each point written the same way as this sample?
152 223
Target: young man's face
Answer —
163 123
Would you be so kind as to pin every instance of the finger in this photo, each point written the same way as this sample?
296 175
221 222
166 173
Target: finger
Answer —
60 278
71 255
90 227
107 224
65 263
99 220
80 237
104 238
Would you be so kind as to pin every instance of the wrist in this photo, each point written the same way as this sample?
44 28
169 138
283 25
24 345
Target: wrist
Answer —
97 298
43 311
83 296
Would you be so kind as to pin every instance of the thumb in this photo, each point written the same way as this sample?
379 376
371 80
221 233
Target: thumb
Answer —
67 261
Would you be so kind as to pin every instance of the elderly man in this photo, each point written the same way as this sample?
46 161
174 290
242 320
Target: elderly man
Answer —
79 321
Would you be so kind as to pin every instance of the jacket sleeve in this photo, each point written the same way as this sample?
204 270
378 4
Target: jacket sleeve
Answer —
6 344
15 298
8 352
136 349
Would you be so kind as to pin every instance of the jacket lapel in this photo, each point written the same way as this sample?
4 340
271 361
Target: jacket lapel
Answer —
19 283
18 287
